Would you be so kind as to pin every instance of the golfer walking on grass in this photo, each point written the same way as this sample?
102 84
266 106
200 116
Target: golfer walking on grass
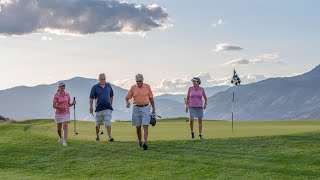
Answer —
195 105
102 94
142 98
61 103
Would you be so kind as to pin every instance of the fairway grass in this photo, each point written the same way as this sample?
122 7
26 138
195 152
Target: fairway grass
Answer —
178 129
256 150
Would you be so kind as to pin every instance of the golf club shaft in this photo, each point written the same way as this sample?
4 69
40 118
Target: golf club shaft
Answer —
74 115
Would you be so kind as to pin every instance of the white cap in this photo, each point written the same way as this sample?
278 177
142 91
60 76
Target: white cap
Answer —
61 84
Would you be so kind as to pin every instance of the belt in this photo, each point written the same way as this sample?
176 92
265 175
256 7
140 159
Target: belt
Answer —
142 105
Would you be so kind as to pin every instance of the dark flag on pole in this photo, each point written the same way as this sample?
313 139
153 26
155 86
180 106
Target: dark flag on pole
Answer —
236 81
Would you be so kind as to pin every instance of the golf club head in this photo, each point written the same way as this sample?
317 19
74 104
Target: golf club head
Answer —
101 133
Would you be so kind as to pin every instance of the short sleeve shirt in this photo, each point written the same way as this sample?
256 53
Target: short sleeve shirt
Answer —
102 96
141 96
62 100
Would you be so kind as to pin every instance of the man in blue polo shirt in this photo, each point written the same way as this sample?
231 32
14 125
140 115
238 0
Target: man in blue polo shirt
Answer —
102 94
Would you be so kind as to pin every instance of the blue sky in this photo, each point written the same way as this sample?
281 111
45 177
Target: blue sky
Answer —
277 38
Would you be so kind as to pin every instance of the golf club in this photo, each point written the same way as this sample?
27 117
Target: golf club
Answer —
101 132
74 115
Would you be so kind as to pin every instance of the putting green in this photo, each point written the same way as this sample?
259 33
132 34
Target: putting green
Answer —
178 129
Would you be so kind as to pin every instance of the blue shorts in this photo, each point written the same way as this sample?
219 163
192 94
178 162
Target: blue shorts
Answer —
141 116
196 112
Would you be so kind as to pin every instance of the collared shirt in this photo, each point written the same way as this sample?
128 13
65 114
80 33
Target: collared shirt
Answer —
102 96
141 96
62 100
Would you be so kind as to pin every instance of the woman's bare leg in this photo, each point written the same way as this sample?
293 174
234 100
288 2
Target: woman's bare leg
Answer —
65 130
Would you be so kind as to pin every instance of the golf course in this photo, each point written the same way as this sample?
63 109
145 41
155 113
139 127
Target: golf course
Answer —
255 150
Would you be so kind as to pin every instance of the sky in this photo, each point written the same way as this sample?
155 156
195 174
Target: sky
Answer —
168 41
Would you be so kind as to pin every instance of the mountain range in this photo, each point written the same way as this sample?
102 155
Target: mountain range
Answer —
286 98
295 97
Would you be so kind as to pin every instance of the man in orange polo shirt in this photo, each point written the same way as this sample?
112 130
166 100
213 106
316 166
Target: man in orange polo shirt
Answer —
142 98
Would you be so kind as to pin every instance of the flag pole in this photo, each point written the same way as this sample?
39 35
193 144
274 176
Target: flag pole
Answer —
235 81
232 106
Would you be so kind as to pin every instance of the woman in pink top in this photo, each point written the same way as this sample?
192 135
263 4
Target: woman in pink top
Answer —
61 102
195 105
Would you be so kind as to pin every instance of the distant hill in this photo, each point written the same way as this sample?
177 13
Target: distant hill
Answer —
275 98
271 99
36 102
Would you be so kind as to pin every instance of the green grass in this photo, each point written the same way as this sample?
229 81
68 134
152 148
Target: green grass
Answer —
256 150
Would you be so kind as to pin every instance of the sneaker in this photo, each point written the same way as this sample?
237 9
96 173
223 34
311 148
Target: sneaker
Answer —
64 143
145 146
192 135
140 144
60 140
97 139
111 139
200 136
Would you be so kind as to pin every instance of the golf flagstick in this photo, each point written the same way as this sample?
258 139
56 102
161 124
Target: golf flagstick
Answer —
235 81
232 106
74 115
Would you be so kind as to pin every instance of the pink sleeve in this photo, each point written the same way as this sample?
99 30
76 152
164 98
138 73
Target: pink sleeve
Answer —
55 99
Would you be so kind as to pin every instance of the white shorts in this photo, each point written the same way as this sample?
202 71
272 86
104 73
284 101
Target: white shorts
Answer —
141 116
104 117
60 118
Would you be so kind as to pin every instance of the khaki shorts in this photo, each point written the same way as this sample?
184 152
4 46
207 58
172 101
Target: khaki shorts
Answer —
141 116
104 117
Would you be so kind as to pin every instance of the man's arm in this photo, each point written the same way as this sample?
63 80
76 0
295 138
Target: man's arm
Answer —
111 96
128 97
91 106
111 100
92 97
152 101
153 105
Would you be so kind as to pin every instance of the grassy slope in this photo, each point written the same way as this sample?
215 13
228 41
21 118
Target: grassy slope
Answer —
30 150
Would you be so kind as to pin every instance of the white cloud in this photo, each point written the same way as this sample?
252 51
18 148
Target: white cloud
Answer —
218 23
79 17
259 59
124 83
227 47
45 38
242 62
181 85
269 56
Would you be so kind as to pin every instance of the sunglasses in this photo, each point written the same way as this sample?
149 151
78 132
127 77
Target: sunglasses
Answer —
139 81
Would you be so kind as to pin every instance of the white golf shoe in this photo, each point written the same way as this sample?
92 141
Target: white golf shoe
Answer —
60 140
64 143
